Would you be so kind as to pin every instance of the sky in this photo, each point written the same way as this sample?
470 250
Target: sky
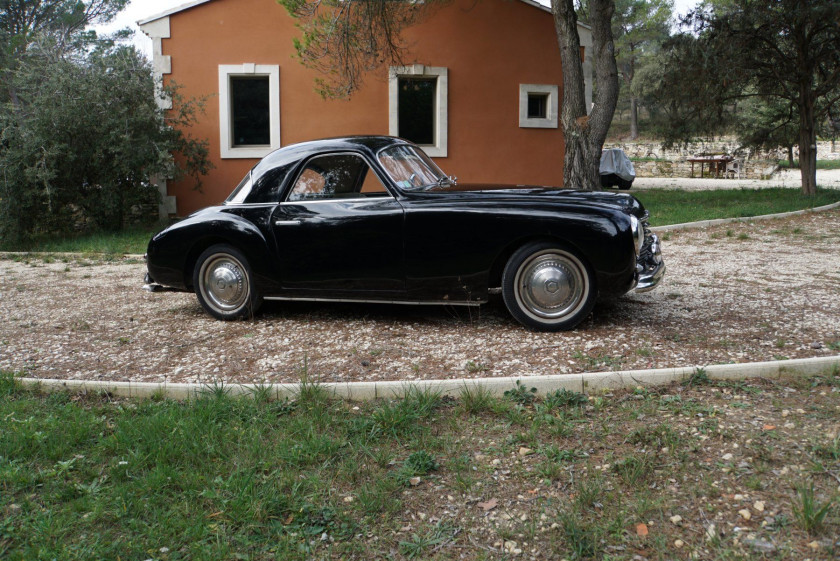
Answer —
141 9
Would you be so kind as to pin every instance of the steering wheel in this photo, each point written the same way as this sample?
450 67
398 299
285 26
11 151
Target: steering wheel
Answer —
411 178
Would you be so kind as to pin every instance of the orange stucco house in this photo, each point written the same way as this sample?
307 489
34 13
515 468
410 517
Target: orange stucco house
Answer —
480 90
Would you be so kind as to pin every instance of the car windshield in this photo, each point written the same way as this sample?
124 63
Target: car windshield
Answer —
410 168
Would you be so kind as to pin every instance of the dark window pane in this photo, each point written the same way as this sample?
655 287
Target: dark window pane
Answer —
416 103
251 109
537 106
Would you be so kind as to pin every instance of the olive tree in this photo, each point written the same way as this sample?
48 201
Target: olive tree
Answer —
83 137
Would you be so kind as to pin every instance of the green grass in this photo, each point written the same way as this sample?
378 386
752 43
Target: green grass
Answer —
821 164
677 206
223 477
130 240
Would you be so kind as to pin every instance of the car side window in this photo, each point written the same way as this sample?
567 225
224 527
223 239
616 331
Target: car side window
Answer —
336 176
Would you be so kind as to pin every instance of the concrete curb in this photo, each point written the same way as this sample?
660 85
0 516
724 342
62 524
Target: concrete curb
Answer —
705 223
365 391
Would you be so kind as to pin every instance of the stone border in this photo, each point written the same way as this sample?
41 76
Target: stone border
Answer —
705 223
366 391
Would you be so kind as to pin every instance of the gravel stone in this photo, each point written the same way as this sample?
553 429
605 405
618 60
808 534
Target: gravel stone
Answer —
735 293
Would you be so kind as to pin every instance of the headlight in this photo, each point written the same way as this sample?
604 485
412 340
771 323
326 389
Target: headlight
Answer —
638 234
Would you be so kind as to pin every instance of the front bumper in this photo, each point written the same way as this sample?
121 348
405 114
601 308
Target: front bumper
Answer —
650 266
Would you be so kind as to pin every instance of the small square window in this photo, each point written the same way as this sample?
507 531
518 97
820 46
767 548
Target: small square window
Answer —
537 105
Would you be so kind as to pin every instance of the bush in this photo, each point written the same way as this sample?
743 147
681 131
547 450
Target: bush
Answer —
81 139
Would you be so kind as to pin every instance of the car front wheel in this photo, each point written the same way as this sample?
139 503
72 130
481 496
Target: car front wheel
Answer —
548 288
224 284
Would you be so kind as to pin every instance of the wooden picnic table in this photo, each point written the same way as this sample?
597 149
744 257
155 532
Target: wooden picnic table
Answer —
718 163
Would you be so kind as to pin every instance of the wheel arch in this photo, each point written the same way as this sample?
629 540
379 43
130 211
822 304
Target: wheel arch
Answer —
498 267
195 252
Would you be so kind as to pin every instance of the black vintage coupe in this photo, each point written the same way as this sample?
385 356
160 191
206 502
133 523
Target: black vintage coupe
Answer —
373 219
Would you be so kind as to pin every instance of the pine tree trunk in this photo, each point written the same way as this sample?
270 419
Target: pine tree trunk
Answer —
585 134
807 143
634 118
790 157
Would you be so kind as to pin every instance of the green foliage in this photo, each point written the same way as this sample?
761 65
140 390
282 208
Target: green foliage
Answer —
809 512
343 40
639 27
476 398
421 463
521 394
783 54
565 398
82 140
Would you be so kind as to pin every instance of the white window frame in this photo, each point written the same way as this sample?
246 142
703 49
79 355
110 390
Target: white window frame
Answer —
550 120
226 72
441 146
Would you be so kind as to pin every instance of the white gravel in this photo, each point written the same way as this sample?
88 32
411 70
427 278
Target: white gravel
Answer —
739 293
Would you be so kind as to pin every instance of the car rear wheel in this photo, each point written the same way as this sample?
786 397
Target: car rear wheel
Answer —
224 284
547 287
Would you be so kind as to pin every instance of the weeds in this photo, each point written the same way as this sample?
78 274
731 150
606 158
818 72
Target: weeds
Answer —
698 378
809 513
521 394
564 398
634 469
476 399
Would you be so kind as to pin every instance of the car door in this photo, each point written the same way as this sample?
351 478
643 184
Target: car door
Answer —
339 232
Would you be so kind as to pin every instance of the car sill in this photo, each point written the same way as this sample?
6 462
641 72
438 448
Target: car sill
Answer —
368 301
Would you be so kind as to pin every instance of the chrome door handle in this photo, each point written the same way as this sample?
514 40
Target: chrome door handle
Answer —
287 223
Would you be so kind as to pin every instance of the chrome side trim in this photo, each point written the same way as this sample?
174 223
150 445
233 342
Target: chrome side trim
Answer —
287 223
372 301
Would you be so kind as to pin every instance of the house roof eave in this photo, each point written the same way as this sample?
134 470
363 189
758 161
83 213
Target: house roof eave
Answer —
195 3
171 11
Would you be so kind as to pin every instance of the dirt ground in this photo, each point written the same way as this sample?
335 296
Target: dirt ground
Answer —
736 293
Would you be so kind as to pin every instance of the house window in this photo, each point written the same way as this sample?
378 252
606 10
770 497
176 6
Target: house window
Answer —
538 105
418 106
249 110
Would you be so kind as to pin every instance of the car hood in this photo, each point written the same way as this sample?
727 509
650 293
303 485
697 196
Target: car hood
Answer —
488 191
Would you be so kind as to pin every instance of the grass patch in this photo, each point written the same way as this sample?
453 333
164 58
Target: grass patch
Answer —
677 206
130 240
423 477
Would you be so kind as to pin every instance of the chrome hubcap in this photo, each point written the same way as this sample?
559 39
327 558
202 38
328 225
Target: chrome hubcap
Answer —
551 285
224 283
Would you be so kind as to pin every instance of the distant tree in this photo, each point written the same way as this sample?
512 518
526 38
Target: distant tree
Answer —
83 138
639 27
62 23
786 52
768 125
345 39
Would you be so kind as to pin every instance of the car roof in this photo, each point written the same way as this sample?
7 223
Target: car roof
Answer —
369 145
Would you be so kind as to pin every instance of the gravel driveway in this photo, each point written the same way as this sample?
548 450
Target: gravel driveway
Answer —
738 293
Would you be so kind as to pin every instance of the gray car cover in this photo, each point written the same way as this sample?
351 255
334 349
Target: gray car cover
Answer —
614 160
